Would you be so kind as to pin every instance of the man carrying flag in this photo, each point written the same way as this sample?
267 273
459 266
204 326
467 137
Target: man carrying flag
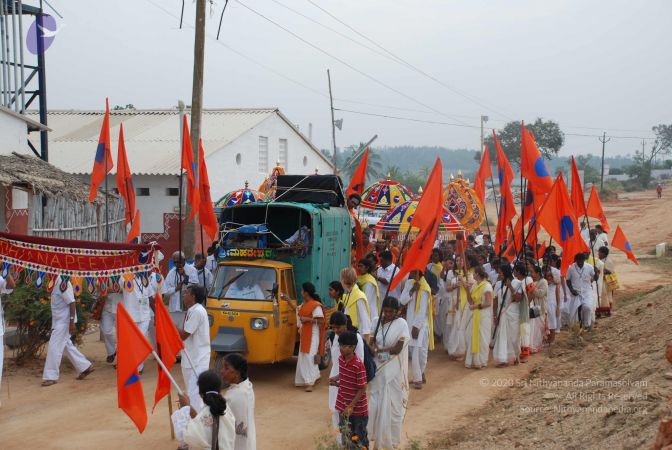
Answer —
196 336
132 349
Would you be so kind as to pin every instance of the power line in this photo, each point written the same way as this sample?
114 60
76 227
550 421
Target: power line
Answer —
409 65
345 63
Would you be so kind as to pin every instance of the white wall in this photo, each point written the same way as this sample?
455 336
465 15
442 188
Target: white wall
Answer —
13 135
227 175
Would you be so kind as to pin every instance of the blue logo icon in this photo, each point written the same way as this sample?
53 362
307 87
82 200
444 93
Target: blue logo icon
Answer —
43 29
540 168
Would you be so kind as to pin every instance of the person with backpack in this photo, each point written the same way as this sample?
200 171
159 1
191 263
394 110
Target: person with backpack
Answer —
417 297
339 324
388 391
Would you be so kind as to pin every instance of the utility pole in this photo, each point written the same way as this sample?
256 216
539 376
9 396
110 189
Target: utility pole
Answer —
604 140
483 120
196 112
333 124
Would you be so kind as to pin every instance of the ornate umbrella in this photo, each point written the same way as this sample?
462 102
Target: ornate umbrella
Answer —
269 184
385 195
242 197
399 219
461 200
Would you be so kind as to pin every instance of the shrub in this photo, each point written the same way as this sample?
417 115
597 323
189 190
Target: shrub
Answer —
29 309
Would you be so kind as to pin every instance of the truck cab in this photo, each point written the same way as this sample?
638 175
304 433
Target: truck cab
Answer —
266 253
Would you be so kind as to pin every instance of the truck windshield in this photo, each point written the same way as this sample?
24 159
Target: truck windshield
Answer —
244 283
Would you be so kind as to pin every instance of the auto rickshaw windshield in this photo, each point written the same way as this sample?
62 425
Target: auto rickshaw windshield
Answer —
244 283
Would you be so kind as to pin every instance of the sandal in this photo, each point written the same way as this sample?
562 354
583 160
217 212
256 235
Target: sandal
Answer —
111 357
86 373
46 383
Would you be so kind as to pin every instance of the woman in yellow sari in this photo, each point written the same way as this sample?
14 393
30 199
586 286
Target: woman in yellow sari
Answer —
478 315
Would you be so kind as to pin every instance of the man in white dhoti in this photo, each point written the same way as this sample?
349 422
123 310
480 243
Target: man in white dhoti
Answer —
178 278
579 278
417 298
108 324
196 336
6 286
63 320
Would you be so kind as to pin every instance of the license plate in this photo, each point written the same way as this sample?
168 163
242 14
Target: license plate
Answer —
231 313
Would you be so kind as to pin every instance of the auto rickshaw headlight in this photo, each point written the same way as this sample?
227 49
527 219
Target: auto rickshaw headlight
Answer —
259 323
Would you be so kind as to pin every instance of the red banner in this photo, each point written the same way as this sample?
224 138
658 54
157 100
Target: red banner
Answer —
74 258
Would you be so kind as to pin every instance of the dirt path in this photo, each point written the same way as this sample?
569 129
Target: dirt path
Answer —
82 414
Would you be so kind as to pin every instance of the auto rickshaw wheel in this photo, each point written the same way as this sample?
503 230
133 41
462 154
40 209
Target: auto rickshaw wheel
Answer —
326 358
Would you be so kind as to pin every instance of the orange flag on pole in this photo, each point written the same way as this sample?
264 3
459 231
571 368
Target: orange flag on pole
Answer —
358 180
102 164
206 211
426 218
132 349
188 164
621 242
578 201
532 163
594 209
135 228
168 345
484 172
124 177
507 208
558 218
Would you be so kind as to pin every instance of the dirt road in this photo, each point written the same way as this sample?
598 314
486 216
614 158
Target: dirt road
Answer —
83 414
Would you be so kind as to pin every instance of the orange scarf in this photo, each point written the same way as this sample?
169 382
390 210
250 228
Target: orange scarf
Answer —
306 310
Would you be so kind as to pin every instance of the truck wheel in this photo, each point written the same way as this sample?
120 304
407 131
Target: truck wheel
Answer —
326 358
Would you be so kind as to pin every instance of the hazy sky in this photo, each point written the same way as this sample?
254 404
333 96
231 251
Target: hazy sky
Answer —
597 64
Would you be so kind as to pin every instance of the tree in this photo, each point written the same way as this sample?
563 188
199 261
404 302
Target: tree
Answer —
394 172
348 165
643 160
590 172
547 134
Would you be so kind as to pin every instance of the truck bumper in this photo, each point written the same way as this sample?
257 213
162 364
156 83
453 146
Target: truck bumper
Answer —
229 340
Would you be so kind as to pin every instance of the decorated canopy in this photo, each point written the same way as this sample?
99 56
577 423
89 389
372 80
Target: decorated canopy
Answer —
399 219
385 195
242 197
269 184
98 266
461 200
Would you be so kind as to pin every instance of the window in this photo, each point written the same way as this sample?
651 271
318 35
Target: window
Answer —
142 192
244 283
173 192
263 154
19 198
283 153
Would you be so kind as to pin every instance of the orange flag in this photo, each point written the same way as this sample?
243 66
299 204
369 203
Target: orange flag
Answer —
124 177
426 218
621 242
484 172
168 345
507 208
358 180
188 164
132 349
594 209
532 163
578 200
206 212
134 233
102 164
558 218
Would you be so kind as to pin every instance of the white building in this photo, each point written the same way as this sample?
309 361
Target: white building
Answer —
240 145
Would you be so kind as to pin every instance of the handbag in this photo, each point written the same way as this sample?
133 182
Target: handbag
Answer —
612 280
535 311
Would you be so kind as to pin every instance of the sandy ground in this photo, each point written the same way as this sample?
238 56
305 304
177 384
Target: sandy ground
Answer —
81 414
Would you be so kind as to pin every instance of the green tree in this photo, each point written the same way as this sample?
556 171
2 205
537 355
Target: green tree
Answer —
349 164
394 172
590 173
547 134
641 168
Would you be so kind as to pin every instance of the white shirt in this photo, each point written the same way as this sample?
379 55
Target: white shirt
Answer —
386 273
112 301
136 301
211 263
204 274
60 303
197 345
172 280
581 282
421 318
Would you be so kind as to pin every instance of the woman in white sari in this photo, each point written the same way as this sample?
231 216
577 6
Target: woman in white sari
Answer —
553 303
456 341
213 427
506 348
538 325
447 289
479 321
388 391
240 398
